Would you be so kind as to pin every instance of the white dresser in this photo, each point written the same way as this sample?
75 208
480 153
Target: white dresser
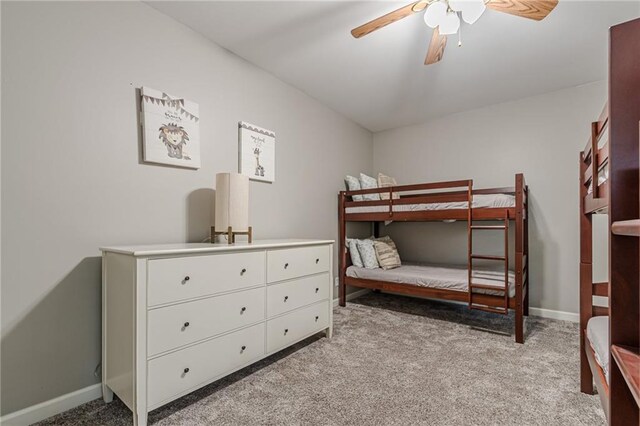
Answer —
177 317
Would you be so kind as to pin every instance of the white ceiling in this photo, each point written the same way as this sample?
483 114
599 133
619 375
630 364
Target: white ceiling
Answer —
380 81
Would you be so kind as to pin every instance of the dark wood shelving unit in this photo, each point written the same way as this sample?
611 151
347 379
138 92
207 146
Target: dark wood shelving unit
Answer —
628 361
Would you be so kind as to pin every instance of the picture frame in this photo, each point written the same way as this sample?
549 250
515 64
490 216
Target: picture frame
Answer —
256 152
171 129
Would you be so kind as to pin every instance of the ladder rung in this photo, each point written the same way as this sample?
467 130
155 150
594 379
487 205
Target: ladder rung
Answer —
487 287
487 257
488 227
490 309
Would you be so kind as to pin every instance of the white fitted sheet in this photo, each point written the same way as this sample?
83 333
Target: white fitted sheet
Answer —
448 277
479 201
598 337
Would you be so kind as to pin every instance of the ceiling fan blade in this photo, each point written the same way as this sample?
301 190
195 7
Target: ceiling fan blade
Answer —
420 6
383 21
436 48
532 9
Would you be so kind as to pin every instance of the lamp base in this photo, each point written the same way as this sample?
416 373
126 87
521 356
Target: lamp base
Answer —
231 234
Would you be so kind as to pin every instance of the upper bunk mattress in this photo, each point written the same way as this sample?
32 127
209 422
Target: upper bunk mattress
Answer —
479 201
437 276
598 337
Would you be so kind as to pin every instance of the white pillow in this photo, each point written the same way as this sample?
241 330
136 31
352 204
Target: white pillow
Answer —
353 184
368 254
356 260
367 182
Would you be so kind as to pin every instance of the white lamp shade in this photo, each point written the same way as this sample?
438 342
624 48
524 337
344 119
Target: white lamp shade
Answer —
232 202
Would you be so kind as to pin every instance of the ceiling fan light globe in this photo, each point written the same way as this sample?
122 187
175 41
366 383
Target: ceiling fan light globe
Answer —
436 13
450 25
471 10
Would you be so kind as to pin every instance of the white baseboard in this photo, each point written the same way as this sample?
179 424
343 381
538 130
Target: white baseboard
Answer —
52 407
537 312
551 314
352 296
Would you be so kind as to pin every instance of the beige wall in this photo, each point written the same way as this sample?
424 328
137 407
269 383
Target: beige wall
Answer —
72 181
540 136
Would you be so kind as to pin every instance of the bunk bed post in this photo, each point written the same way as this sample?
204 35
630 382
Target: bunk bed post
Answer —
342 252
624 290
376 229
519 320
594 160
586 281
470 240
525 279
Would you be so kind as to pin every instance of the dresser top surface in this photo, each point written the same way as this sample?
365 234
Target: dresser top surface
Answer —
192 248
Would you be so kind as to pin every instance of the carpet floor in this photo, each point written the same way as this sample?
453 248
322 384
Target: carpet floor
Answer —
393 360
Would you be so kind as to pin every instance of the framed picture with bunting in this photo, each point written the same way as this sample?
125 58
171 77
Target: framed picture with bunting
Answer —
171 129
257 152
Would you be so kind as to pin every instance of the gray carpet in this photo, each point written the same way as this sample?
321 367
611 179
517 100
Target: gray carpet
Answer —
393 361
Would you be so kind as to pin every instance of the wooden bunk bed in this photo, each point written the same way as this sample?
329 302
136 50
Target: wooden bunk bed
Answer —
594 319
444 201
618 195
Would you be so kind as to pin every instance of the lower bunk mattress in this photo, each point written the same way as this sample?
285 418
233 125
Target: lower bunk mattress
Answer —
445 277
598 337
479 201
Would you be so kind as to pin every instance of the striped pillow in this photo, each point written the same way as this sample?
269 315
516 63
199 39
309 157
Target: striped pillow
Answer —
385 181
387 253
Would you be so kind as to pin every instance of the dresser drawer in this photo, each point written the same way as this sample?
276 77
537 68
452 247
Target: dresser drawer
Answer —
173 326
285 330
182 370
297 262
289 295
171 280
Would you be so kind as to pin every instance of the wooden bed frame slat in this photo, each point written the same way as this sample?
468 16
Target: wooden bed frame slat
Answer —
433 215
599 311
435 293
601 289
416 187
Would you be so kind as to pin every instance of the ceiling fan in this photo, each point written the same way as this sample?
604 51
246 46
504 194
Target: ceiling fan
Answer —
444 17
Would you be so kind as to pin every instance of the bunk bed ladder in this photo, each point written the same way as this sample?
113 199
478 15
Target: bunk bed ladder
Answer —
504 291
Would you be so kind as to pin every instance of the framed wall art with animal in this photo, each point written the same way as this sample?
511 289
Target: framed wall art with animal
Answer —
171 129
257 152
